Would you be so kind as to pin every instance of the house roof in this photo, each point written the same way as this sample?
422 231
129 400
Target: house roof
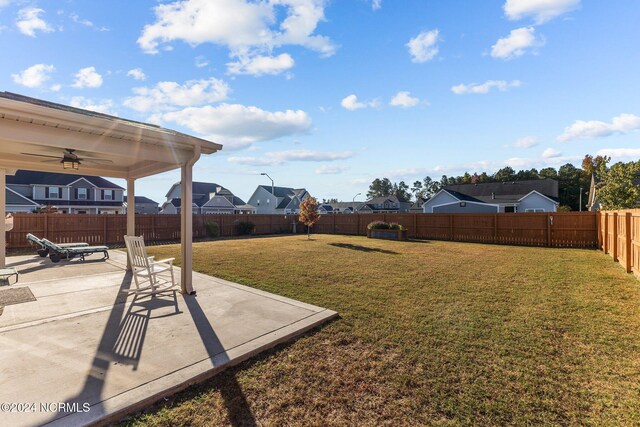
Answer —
506 191
23 177
279 191
142 199
13 198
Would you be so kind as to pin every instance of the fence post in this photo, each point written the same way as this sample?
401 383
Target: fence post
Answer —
104 229
605 247
548 229
495 228
451 227
615 236
46 226
627 246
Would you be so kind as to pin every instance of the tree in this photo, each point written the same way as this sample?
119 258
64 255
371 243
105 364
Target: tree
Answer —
430 186
417 190
505 174
401 191
309 214
619 186
380 188
332 200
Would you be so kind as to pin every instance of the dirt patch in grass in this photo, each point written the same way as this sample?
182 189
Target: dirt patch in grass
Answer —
438 334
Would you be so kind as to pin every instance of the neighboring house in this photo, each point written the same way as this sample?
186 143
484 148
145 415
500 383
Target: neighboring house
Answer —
416 207
277 200
208 198
340 207
593 204
388 204
540 195
77 194
144 205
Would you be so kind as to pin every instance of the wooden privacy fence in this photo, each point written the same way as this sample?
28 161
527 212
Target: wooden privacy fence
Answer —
619 236
573 229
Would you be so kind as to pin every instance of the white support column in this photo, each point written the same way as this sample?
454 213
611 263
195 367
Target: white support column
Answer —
3 213
186 228
131 211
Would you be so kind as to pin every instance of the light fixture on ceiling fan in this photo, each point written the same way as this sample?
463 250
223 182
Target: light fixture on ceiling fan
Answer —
70 160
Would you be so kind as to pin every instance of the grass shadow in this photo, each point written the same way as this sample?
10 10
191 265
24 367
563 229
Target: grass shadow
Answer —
362 248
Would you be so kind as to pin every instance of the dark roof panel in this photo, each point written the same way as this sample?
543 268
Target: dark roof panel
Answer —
25 177
512 189
142 199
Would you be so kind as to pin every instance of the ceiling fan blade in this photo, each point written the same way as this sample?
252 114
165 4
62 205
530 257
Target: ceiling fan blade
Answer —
90 160
51 161
41 155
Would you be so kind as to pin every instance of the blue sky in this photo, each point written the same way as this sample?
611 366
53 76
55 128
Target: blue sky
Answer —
330 95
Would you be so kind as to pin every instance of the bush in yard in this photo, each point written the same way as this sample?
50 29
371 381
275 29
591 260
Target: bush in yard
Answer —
309 214
213 229
395 226
245 227
378 225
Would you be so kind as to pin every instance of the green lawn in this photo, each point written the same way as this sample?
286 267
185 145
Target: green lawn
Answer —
434 333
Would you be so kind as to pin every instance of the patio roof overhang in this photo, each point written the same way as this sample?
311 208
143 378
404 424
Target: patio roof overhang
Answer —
125 149
136 149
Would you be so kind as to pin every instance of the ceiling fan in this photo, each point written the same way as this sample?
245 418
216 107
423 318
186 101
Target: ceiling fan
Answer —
70 160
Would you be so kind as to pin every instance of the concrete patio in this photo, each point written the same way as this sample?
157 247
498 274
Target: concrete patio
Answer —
85 341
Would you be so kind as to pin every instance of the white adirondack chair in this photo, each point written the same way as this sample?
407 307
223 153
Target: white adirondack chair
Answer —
158 274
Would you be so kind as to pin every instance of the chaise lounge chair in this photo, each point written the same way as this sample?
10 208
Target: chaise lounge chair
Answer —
44 251
57 252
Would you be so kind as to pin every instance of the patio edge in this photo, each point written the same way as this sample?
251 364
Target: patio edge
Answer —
140 397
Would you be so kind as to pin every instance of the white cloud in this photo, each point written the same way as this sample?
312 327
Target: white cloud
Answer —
551 153
281 157
351 103
580 129
376 4
330 169
516 43
34 76
56 87
167 95
620 154
104 106
247 28
404 99
29 21
540 10
200 61
485 87
137 74
87 78
87 23
239 125
259 65
424 46
526 142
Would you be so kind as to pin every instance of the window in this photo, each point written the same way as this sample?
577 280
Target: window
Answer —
534 210
54 192
268 201
463 204
107 195
258 202
82 193
509 209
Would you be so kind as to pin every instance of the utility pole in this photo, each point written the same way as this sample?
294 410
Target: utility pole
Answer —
354 202
580 199
272 185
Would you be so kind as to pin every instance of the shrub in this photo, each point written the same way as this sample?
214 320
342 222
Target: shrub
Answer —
395 226
245 227
378 225
381 225
213 229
